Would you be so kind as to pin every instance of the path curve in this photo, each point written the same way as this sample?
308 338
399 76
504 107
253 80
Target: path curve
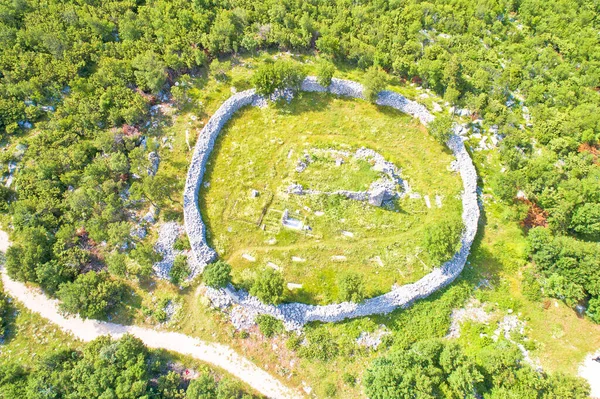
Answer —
216 354
295 315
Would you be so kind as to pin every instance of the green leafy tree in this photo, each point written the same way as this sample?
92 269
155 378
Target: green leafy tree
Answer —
150 71
268 286
217 274
352 288
441 240
325 71
180 270
277 75
441 128
374 81
93 295
269 325
4 309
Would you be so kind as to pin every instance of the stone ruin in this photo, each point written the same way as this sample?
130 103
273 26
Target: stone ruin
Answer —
295 315
381 191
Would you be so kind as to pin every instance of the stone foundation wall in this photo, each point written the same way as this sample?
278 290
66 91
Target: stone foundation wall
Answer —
295 315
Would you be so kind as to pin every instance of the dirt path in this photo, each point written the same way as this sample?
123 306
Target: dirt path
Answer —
4 242
87 330
590 370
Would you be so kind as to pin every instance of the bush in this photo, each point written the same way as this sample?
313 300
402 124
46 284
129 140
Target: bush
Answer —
375 80
220 70
3 313
92 295
268 286
279 75
441 128
330 390
441 240
217 274
269 325
593 309
321 345
182 243
352 288
325 71
180 270
531 287
559 287
349 379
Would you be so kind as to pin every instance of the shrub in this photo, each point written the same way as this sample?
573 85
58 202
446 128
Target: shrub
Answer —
92 295
349 379
330 390
279 75
352 288
268 286
294 342
269 325
321 345
3 313
559 287
593 309
217 274
182 243
180 270
325 71
531 287
375 80
441 240
441 128
220 70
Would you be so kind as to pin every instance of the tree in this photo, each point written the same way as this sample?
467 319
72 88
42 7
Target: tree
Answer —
558 286
217 274
269 325
150 71
93 295
593 309
268 286
441 128
278 75
203 387
441 239
26 255
375 80
180 270
352 287
325 71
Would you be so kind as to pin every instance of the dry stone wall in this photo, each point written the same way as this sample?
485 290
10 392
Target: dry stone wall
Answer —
295 315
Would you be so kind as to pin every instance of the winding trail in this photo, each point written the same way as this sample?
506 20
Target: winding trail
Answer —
216 354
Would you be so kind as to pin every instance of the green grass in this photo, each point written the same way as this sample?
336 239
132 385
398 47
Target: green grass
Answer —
259 149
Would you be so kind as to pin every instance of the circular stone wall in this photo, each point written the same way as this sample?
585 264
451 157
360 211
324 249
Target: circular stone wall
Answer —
295 315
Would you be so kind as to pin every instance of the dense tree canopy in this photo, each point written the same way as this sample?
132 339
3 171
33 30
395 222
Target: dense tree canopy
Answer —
122 369
436 369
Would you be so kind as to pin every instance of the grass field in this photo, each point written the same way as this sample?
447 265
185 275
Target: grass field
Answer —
260 149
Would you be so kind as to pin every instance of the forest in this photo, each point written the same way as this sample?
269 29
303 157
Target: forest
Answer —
84 75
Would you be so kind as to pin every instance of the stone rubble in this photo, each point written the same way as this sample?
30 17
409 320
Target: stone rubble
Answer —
295 315
167 235
473 311
374 339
